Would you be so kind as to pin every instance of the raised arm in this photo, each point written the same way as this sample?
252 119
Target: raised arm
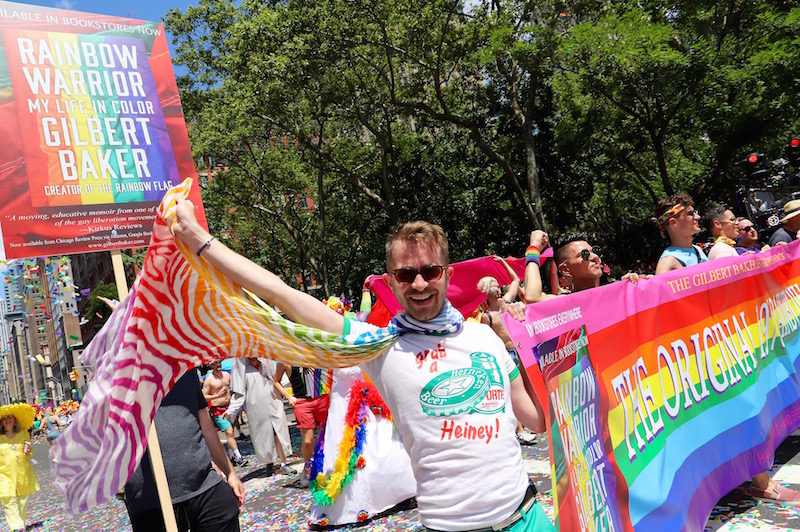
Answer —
533 279
298 306
280 369
513 287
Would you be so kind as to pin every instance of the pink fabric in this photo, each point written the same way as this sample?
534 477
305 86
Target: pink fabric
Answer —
463 291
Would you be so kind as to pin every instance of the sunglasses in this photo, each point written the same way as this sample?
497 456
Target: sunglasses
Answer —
746 229
428 273
691 212
586 253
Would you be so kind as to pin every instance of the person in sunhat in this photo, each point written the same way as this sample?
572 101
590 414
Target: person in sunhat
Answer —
790 224
17 479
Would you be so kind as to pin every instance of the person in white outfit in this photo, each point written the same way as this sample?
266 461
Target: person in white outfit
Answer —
251 382
368 493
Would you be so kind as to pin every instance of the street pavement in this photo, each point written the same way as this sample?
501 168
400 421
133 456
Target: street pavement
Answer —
277 503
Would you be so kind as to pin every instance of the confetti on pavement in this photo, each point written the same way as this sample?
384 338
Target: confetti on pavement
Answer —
277 503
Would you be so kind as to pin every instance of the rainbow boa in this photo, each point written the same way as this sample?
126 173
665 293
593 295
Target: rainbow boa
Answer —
183 312
325 488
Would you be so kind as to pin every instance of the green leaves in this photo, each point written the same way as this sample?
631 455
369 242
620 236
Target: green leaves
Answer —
491 118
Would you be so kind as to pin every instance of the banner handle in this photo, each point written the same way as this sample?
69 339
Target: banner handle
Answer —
152 437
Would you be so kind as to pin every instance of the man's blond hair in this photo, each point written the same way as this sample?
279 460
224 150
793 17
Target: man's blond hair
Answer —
421 234
485 284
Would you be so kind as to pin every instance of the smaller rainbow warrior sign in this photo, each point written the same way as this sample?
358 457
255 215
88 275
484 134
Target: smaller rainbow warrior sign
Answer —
93 124
664 396
92 128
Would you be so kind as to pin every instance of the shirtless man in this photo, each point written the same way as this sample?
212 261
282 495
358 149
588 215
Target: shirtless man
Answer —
217 391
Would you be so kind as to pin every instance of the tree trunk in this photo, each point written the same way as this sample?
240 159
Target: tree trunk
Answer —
531 167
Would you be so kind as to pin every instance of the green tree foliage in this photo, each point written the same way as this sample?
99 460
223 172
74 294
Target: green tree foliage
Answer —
491 118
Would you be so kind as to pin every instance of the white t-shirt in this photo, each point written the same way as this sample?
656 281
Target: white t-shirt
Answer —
450 398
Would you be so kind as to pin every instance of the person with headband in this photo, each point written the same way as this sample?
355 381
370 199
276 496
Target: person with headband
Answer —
677 219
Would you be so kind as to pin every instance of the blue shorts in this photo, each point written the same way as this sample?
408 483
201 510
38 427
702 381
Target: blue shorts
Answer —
222 423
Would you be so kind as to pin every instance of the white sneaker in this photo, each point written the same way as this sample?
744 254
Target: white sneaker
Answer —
526 438
305 477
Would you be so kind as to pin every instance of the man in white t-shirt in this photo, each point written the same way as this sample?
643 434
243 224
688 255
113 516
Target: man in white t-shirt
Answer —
453 390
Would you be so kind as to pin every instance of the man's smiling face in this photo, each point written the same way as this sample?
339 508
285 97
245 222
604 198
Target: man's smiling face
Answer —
422 300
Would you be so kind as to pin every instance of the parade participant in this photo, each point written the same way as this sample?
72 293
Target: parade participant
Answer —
189 443
724 227
36 433
748 238
451 386
251 383
489 314
577 265
310 401
678 220
217 391
17 479
676 216
53 424
790 224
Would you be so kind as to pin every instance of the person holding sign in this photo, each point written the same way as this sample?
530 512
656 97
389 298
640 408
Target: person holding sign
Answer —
678 220
451 386
17 479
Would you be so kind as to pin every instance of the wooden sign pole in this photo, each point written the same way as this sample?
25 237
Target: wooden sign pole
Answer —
152 438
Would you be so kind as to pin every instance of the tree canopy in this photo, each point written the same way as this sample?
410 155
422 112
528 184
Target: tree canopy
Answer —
331 121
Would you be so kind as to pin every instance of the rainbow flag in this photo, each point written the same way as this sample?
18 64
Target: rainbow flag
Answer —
665 395
318 381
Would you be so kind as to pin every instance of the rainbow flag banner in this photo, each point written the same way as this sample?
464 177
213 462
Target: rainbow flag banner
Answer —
663 396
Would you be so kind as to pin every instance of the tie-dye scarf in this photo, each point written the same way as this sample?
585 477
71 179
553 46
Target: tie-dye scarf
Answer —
181 313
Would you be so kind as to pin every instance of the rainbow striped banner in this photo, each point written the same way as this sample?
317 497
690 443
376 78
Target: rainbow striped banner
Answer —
664 396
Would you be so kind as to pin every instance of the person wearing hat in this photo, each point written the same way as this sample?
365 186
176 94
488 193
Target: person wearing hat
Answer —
790 222
17 479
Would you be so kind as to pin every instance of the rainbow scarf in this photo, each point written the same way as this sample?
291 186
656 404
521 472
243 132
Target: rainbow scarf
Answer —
181 313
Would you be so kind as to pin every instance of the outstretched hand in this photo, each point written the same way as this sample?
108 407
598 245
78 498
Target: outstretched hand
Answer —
516 309
112 303
634 277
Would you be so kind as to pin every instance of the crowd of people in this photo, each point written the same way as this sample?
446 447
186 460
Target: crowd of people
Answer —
421 439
